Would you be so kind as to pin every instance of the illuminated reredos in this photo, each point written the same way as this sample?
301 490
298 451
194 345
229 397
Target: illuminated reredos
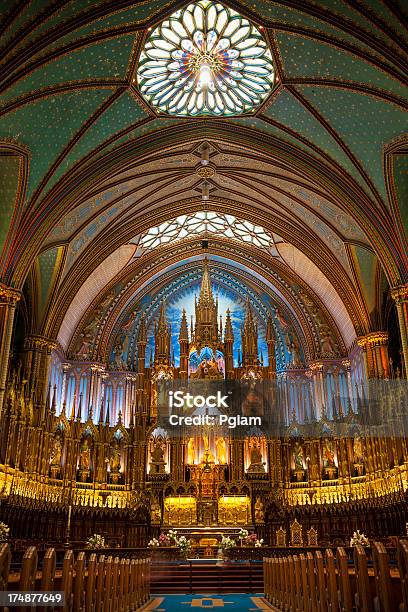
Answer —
206 59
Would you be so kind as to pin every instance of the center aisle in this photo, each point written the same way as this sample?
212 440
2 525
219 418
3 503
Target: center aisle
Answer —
234 602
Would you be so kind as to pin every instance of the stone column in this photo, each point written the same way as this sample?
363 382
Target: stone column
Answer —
38 355
8 301
400 296
318 383
65 369
94 388
375 350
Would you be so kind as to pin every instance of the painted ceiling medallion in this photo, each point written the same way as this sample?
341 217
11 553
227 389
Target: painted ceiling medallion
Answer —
206 59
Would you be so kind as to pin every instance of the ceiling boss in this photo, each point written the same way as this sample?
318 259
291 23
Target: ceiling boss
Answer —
205 60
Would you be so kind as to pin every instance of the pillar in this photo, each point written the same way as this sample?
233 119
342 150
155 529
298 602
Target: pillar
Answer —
8 301
375 349
400 296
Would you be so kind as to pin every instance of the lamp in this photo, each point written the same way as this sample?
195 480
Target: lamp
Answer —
205 191
205 155
205 74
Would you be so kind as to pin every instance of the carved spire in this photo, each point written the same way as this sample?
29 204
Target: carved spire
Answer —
72 415
184 346
228 332
206 331
54 400
270 332
107 419
142 332
183 335
270 341
101 413
249 337
206 294
229 346
162 338
79 412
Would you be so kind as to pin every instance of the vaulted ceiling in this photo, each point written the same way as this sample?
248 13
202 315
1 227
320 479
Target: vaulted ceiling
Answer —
88 166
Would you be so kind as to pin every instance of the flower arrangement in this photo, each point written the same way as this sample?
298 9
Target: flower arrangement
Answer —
4 532
164 540
243 534
153 543
184 545
173 537
95 541
252 540
227 543
359 538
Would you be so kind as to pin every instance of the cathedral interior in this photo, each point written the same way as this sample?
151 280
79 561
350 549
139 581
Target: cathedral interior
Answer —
205 191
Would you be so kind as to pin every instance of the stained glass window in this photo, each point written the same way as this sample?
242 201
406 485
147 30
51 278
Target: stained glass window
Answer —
206 59
206 222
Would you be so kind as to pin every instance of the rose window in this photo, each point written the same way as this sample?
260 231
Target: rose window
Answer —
205 59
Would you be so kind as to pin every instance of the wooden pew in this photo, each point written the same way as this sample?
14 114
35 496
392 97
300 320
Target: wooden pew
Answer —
48 574
292 584
327 583
362 597
383 600
332 598
68 578
79 583
5 560
90 590
104 584
402 552
312 583
28 573
343 580
321 590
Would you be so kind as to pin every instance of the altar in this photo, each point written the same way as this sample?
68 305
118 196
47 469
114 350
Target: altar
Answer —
226 510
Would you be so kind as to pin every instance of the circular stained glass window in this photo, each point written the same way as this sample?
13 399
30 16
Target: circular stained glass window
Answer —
206 59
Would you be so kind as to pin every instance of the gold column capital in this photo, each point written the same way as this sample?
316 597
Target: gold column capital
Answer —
362 341
379 338
9 295
40 342
316 365
400 293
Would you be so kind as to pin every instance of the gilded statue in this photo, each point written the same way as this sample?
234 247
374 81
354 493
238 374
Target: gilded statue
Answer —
157 453
358 451
221 451
115 458
85 455
56 452
256 455
328 455
259 511
298 457
190 451
327 344
155 512
256 463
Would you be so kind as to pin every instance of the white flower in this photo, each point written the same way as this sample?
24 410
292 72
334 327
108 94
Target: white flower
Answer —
359 538
4 531
227 543
96 541
154 543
